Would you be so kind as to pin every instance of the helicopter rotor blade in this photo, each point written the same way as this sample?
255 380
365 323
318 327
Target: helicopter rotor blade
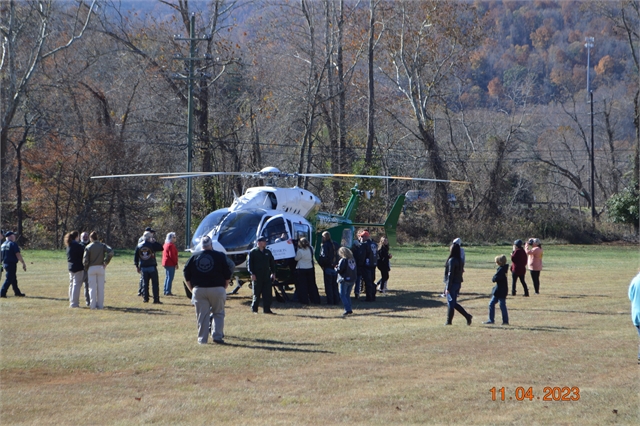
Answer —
135 175
342 175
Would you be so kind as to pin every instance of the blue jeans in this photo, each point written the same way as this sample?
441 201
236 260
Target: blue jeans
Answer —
150 273
503 309
168 279
345 292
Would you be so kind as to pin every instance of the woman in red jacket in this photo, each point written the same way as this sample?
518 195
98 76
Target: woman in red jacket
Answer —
169 261
518 267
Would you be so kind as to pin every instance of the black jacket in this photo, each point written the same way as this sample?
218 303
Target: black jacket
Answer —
501 289
207 268
383 258
327 255
453 272
145 255
74 256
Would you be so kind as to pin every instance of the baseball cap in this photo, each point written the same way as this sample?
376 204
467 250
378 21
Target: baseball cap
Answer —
517 243
364 234
261 239
206 241
9 233
148 229
457 241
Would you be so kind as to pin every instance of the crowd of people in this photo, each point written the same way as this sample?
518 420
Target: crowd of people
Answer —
208 273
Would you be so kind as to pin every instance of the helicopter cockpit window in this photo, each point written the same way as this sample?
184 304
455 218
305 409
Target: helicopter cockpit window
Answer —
275 231
208 223
238 230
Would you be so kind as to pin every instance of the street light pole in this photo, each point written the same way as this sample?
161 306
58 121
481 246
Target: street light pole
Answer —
589 44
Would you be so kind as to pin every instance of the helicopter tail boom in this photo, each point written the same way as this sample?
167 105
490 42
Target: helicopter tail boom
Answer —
390 225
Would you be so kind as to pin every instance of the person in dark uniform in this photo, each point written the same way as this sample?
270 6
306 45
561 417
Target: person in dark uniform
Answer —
262 267
207 274
145 261
10 258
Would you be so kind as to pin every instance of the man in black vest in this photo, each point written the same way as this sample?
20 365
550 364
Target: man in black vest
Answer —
145 261
207 274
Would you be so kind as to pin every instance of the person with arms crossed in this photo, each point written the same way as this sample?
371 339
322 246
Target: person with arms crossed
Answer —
97 256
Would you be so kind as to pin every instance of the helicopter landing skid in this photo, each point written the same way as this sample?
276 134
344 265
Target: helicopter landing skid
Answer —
239 283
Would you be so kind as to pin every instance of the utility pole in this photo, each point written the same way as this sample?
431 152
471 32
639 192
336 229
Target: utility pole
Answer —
589 44
192 39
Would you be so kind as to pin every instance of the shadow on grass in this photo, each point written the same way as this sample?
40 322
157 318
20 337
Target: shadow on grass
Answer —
512 327
142 310
388 305
273 345
57 299
566 311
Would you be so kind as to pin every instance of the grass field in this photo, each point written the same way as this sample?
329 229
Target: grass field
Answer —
392 362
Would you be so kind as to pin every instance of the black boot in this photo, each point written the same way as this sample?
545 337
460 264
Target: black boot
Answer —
450 313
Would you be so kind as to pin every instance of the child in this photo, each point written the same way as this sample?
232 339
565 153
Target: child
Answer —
499 292
347 273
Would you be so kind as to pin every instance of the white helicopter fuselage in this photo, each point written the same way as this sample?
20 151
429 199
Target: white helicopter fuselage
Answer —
289 200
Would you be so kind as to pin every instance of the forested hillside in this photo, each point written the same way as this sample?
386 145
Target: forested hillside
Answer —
493 93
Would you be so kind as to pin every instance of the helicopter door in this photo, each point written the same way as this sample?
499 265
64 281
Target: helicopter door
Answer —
278 238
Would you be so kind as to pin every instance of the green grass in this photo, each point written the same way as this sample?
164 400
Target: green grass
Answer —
392 362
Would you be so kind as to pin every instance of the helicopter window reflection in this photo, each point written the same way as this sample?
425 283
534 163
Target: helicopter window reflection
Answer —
300 230
347 237
208 223
274 230
238 230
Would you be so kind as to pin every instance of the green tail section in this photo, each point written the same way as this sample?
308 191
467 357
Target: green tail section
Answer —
352 206
391 224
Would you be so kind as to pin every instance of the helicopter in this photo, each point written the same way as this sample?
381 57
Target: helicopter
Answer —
282 215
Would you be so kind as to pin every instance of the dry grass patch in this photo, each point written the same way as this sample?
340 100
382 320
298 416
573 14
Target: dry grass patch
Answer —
392 362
